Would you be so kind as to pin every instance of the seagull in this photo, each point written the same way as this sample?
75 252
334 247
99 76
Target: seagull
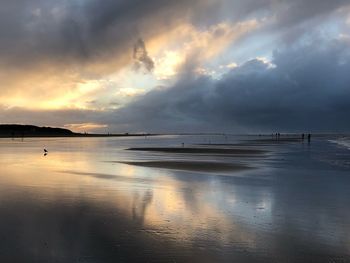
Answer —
45 151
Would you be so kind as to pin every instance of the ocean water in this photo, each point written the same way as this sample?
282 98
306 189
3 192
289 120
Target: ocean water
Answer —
80 203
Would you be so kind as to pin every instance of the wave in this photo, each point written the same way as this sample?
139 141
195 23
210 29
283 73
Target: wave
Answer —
343 142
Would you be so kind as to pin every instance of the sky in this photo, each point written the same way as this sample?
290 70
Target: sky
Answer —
239 66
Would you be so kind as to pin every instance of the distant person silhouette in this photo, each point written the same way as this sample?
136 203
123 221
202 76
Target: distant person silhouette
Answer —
303 136
309 137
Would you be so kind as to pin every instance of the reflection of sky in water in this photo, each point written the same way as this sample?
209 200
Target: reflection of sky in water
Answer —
267 213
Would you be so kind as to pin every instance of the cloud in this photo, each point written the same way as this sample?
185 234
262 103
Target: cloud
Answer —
81 31
58 56
196 47
49 48
305 90
141 56
86 32
76 40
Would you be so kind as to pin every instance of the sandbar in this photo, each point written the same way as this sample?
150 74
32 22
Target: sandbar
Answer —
200 150
192 166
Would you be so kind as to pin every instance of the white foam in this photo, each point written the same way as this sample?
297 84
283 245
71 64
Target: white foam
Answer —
344 142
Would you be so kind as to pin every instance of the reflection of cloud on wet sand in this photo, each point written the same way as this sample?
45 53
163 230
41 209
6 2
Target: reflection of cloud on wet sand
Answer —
140 204
109 176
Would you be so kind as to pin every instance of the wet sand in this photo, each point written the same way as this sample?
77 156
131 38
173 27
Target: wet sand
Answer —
192 166
83 202
238 151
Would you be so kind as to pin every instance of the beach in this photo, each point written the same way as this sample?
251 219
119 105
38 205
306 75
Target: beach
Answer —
189 198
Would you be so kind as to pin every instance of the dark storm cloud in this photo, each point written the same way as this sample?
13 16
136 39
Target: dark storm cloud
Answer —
307 89
32 30
141 56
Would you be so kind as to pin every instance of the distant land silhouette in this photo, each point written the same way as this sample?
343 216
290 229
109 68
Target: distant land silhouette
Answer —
18 131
